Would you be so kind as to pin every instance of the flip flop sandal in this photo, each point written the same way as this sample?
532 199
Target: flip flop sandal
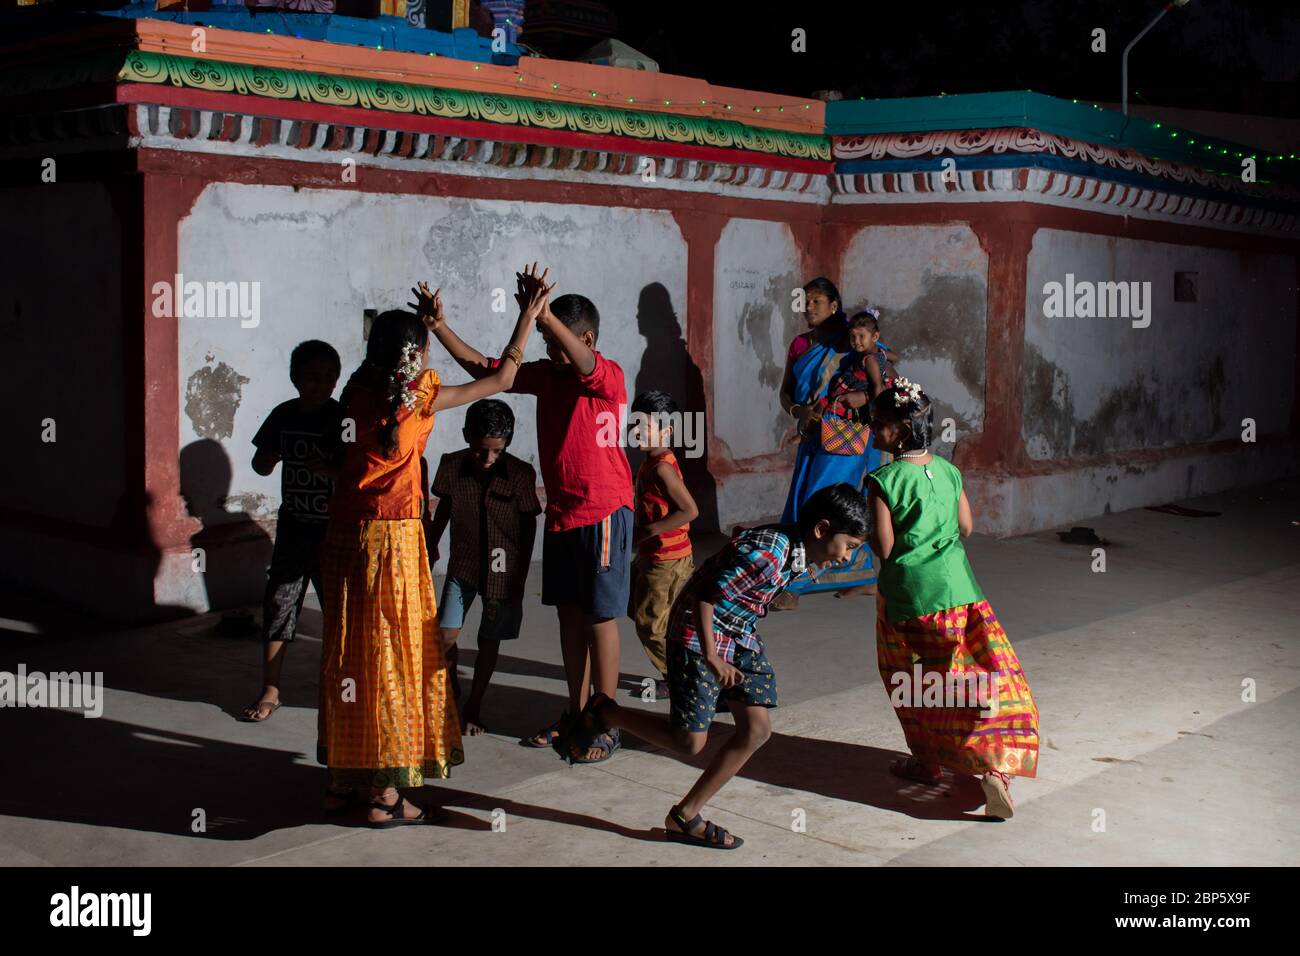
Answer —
257 709
997 796
394 810
913 770
714 836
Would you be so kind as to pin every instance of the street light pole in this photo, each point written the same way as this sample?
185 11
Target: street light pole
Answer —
1132 43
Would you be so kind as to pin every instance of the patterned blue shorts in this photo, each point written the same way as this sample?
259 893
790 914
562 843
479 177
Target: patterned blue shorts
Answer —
693 691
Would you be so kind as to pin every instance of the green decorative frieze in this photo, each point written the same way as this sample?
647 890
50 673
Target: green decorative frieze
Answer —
393 97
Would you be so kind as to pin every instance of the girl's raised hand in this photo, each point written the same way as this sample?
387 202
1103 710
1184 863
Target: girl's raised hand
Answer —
428 306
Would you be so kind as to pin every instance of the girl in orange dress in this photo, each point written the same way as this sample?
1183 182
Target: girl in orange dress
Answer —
387 719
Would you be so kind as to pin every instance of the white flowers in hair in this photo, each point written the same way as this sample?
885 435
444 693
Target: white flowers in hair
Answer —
907 392
872 311
402 387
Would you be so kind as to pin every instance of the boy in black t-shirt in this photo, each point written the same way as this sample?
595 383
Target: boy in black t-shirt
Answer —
295 435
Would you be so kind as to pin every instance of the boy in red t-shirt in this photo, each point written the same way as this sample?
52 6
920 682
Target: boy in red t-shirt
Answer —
664 511
587 541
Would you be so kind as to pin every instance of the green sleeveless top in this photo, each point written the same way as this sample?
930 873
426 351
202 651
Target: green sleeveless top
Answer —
927 570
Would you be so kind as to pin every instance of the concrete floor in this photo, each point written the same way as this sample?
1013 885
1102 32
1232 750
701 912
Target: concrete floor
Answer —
1138 674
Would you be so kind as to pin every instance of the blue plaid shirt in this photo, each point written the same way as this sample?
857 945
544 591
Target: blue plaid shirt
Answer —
740 580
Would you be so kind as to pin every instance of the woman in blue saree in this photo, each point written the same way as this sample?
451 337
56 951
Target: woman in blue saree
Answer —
812 361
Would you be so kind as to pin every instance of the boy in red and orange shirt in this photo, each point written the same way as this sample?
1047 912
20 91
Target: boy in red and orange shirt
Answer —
664 511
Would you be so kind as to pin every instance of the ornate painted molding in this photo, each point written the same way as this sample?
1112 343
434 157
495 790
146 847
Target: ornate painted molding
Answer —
219 132
395 97
1064 188
1033 142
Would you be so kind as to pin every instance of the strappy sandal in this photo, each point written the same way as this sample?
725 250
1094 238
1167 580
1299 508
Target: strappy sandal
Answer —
257 709
714 836
913 770
997 796
551 734
394 811
588 732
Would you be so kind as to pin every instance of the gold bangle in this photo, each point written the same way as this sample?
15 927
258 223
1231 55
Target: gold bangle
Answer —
512 352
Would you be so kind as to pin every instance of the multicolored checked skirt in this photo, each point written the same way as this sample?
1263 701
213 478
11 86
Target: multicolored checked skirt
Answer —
964 645
387 717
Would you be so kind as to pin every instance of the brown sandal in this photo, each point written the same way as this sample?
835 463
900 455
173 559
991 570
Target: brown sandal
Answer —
912 769
257 709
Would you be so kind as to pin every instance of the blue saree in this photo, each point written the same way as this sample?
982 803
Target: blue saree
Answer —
815 469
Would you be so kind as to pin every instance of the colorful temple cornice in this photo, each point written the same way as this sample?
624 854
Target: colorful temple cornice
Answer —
397 97
176 82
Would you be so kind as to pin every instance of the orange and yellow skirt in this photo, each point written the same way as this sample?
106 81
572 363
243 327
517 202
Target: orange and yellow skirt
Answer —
963 646
387 717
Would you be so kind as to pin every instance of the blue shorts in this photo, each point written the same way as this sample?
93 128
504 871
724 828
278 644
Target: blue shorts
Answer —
590 566
693 691
501 620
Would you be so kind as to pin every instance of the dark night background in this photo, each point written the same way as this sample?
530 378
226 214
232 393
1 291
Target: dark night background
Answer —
1212 54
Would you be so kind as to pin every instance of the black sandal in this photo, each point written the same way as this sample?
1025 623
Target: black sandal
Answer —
394 810
551 734
715 837
588 732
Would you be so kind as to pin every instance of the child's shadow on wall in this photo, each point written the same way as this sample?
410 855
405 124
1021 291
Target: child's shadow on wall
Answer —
232 551
667 365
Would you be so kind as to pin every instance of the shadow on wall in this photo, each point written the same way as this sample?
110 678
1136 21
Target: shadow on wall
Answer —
666 364
232 550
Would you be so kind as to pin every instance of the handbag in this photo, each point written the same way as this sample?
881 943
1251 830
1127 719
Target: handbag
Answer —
840 436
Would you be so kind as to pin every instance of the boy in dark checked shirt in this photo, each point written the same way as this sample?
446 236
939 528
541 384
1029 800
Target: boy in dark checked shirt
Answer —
490 499
714 649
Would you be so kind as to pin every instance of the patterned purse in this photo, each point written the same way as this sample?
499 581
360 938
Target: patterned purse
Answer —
840 436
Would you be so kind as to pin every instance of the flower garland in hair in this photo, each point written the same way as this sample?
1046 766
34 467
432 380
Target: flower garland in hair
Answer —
872 311
402 382
906 392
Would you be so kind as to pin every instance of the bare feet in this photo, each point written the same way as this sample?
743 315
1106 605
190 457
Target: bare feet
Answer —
473 725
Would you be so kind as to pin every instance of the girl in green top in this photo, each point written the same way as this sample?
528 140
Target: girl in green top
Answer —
953 677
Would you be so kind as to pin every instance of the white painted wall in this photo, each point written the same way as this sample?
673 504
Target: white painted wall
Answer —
756 271
1099 385
324 256
930 283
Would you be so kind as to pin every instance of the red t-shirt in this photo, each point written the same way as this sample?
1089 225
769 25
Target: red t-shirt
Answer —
584 467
